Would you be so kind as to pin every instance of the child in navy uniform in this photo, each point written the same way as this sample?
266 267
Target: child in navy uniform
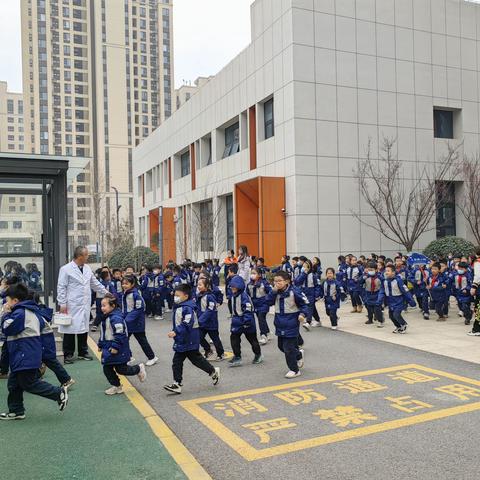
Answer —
258 288
333 292
243 322
22 324
106 281
157 300
147 287
208 318
113 344
437 286
418 277
133 309
117 284
354 274
396 294
186 337
373 295
462 284
291 309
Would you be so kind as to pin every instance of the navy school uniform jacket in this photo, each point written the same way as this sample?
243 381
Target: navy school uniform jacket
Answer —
147 286
258 292
289 304
158 285
118 290
22 327
285 266
354 278
438 285
461 285
218 294
241 304
332 293
49 348
114 334
109 286
179 280
418 277
207 311
372 290
308 283
215 275
133 309
34 281
402 273
185 326
396 293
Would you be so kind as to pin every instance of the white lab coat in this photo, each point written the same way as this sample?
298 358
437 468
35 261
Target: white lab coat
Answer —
74 291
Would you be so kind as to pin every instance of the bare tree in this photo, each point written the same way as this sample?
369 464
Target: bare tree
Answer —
403 207
470 203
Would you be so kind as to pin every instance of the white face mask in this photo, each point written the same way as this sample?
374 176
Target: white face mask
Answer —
177 299
253 277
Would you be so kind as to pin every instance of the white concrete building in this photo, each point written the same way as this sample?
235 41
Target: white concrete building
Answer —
264 153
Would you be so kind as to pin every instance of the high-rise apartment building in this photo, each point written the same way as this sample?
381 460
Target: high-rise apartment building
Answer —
12 128
98 78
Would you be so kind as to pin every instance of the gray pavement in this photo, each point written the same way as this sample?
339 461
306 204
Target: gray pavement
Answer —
433 433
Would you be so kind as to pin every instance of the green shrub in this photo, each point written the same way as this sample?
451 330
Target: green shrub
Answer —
136 256
443 246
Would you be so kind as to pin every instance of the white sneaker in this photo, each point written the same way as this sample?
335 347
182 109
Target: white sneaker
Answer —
315 324
292 374
306 326
151 362
158 317
474 334
131 363
301 362
114 390
333 328
215 376
263 340
460 314
142 374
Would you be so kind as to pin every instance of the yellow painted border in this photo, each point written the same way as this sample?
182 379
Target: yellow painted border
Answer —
250 453
185 460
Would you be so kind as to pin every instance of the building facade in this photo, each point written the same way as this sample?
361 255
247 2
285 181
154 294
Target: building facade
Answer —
97 79
12 127
264 154
185 92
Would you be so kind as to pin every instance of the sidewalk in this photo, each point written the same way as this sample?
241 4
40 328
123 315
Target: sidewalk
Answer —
444 338
97 437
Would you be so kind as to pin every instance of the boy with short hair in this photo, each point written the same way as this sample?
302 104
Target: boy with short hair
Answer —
354 274
438 288
373 295
186 338
462 284
396 294
291 309
22 324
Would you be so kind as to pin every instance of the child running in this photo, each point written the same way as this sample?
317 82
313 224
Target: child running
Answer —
186 339
113 344
258 288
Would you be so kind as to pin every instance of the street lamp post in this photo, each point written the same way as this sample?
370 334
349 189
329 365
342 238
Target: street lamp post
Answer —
118 208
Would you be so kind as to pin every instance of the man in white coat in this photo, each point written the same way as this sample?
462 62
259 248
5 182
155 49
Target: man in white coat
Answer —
75 282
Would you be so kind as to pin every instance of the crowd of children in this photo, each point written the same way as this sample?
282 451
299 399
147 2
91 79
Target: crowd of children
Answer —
192 293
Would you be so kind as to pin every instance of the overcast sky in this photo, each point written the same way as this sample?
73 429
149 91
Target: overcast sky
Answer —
208 34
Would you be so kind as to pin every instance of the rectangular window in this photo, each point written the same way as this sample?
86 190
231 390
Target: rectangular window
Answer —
17 225
443 123
10 106
268 118
230 230
232 140
445 216
3 225
206 227
185 164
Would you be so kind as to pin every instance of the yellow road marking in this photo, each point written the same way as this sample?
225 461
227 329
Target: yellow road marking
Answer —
185 460
250 453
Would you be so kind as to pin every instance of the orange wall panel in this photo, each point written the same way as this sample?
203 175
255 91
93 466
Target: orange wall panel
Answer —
169 237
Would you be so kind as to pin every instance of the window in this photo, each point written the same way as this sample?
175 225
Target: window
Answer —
232 143
185 164
206 226
230 231
443 123
22 208
268 118
11 199
17 225
3 225
10 106
445 216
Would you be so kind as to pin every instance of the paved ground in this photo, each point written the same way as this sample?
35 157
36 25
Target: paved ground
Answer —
430 434
97 437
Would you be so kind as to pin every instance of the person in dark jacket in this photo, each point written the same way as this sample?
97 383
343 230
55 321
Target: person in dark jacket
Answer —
243 322
332 294
113 344
291 309
186 339
437 285
208 318
22 324
258 288
133 308
373 294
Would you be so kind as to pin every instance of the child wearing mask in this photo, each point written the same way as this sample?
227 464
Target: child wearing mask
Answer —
258 289
333 293
373 295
